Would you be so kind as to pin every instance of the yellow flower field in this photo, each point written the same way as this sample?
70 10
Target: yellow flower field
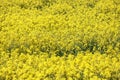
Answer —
59 39
42 67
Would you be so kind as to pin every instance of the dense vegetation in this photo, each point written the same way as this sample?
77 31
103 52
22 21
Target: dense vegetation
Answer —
59 39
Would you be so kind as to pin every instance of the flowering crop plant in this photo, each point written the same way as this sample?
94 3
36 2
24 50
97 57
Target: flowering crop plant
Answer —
59 39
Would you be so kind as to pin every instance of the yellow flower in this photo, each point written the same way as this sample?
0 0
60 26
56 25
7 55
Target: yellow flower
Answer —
95 78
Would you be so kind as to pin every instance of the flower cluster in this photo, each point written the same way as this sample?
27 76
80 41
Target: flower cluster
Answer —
42 67
61 26
59 39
